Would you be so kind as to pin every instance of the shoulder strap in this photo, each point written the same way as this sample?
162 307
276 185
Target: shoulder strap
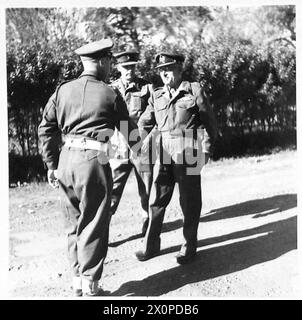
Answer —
60 85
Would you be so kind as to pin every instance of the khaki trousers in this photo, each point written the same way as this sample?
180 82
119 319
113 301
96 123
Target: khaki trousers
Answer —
86 186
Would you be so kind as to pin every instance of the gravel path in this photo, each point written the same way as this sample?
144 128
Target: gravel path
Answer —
247 240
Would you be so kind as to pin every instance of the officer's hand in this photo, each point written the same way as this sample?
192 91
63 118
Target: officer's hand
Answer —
52 178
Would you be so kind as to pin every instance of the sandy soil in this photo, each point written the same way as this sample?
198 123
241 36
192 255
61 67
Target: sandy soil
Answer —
247 240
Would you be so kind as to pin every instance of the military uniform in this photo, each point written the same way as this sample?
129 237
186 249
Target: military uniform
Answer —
187 129
136 94
85 112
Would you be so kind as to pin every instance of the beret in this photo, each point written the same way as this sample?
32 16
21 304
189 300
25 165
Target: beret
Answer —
127 58
95 48
165 59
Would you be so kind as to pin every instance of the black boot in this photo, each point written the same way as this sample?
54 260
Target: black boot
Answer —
186 254
143 255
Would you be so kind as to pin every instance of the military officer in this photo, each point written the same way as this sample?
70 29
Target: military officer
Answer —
136 92
84 112
179 111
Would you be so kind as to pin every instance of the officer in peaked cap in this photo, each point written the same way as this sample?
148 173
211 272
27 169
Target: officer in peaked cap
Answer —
95 49
84 112
185 121
164 59
136 92
127 58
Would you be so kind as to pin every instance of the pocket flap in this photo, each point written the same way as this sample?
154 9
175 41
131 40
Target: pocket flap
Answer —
186 102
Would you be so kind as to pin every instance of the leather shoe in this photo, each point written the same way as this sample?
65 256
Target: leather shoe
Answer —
184 258
144 256
98 293
92 288
77 292
77 286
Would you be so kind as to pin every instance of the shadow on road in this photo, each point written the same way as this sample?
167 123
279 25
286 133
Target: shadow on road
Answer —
119 242
259 207
273 240
168 226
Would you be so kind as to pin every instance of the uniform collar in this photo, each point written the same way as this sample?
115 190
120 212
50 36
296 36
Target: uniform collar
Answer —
131 85
89 74
184 86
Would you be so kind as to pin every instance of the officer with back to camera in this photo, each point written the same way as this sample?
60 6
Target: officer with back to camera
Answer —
136 92
185 122
85 112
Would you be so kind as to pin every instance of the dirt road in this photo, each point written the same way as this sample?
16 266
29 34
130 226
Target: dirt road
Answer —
247 240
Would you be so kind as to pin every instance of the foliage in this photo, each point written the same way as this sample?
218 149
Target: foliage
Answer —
245 59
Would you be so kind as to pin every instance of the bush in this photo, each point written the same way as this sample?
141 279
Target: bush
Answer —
252 87
253 143
26 169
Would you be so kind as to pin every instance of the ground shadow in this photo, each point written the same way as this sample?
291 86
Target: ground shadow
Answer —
258 207
273 240
119 242
168 226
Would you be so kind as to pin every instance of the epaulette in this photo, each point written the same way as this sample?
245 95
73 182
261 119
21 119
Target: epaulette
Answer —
61 84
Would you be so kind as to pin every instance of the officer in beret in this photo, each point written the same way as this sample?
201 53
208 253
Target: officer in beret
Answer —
136 92
84 112
185 122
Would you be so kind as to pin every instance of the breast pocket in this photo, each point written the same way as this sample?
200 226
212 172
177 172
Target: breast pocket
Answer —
134 101
186 102
161 113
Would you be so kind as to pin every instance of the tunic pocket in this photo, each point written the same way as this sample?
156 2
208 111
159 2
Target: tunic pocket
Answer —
134 102
186 103
161 114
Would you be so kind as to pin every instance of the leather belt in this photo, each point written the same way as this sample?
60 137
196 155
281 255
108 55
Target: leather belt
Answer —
84 143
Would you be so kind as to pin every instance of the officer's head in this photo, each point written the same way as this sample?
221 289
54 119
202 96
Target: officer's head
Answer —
96 57
170 67
126 64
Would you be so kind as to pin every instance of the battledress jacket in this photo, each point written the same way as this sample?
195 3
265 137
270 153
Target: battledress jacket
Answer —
84 107
136 96
187 109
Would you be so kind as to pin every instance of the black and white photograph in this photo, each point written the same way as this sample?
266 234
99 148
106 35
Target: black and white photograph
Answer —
152 150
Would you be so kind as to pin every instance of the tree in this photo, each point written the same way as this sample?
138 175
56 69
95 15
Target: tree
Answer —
243 57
